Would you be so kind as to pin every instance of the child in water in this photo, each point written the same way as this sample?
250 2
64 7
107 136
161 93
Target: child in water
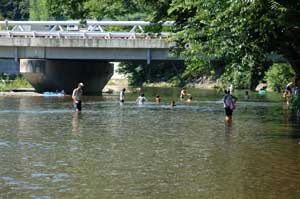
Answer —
189 100
247 95
183 93
141 99
172 104
157 99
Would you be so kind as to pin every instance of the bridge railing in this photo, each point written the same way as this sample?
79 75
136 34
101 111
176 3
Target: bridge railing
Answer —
71 29
83 35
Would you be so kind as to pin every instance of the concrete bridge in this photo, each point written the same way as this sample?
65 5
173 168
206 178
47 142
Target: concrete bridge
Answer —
56 55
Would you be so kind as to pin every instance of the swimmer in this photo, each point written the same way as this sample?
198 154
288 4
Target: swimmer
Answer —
189 100
157 99
141 99
172 104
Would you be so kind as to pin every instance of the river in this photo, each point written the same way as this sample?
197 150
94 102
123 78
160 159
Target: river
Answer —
151 151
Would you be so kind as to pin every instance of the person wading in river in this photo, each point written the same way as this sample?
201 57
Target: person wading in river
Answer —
229 105
183 93
141 99
122 95
76 96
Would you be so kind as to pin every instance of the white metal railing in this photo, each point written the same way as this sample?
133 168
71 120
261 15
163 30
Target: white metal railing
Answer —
90 29
83 35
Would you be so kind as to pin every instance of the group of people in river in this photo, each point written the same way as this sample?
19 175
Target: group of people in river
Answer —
141 99
291 96
228 100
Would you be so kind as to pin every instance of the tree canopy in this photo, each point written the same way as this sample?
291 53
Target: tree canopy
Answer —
234 35
242 32
14 9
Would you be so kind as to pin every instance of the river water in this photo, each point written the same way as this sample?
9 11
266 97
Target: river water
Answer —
151 151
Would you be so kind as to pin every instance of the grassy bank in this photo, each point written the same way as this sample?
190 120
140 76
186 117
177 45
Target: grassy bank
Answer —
207 85
8 83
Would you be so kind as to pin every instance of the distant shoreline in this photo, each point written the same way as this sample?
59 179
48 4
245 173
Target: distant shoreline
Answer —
22 93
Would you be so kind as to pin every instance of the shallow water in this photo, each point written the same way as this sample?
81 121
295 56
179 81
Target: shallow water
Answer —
151 151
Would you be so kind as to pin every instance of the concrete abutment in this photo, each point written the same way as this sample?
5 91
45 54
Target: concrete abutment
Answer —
53 75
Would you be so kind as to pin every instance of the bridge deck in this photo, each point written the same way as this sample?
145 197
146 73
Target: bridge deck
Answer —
83 43
67 40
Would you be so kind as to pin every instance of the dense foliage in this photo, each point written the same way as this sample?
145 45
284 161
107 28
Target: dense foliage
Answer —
242 32
278 76
14 9
139 73
238 35
9 83
38 10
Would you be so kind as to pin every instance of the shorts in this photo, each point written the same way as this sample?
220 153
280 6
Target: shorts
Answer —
228 111
77 105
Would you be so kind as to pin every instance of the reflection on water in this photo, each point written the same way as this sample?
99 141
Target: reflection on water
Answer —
75 121
152 151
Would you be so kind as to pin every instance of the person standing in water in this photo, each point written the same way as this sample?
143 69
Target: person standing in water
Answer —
293 89
76 96
172 104
141 99
229 105
157 99
247 97
183 93
122 95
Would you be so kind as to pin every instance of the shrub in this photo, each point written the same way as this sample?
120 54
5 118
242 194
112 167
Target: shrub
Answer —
278 76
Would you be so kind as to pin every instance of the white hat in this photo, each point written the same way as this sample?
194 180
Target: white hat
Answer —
80 84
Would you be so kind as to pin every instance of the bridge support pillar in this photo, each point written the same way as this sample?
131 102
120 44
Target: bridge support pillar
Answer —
52 75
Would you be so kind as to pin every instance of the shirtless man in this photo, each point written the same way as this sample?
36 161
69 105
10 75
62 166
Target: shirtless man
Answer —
76 96
183 93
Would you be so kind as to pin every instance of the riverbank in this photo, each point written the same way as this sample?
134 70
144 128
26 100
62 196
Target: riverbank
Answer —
112 87
117 85
14 83
22 93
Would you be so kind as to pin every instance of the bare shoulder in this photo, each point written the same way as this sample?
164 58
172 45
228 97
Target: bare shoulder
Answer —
75 90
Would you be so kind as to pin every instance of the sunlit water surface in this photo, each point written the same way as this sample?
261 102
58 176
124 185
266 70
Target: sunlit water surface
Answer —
151 151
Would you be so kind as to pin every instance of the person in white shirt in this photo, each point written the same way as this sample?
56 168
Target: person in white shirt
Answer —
122 95
76 96
141 99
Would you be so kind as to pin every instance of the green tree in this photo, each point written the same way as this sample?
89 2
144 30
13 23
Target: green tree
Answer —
242 32
279 75
112 9
67 9
38 10
14 9
96 9
140 72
